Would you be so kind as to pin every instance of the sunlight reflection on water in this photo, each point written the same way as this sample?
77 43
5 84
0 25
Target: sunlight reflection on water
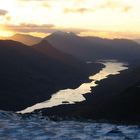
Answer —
70 96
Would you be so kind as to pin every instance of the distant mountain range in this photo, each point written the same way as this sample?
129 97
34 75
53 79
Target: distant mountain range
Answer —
137 40
47 49
94 48
31 74
87 48
24 38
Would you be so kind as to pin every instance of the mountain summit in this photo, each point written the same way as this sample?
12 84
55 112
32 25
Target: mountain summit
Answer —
64 33
26 39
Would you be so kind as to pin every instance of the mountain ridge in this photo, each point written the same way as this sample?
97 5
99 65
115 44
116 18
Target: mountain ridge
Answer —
94 48
24 38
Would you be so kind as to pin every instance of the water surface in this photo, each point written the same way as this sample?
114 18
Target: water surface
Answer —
70 96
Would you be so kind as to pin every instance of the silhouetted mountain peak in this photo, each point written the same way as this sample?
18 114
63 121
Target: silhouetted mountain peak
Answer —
46 48
61 33
26 39
72 33
11 43
94 48
44 43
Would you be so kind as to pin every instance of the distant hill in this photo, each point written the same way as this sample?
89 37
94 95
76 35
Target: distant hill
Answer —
137 40
93 48
47 49
26 39
29 76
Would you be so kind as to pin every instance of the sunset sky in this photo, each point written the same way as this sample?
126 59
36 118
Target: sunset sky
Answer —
104 18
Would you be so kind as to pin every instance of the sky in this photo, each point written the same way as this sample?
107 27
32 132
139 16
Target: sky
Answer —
103 18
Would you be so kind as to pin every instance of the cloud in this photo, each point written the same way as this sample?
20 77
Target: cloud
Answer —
77 10
126 8
108 4
36 25
114 5
8 18
35 0
26 28
44 28
3 12
44 3
50 28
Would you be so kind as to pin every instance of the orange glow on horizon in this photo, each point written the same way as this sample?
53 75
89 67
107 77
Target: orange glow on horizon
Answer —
103 18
